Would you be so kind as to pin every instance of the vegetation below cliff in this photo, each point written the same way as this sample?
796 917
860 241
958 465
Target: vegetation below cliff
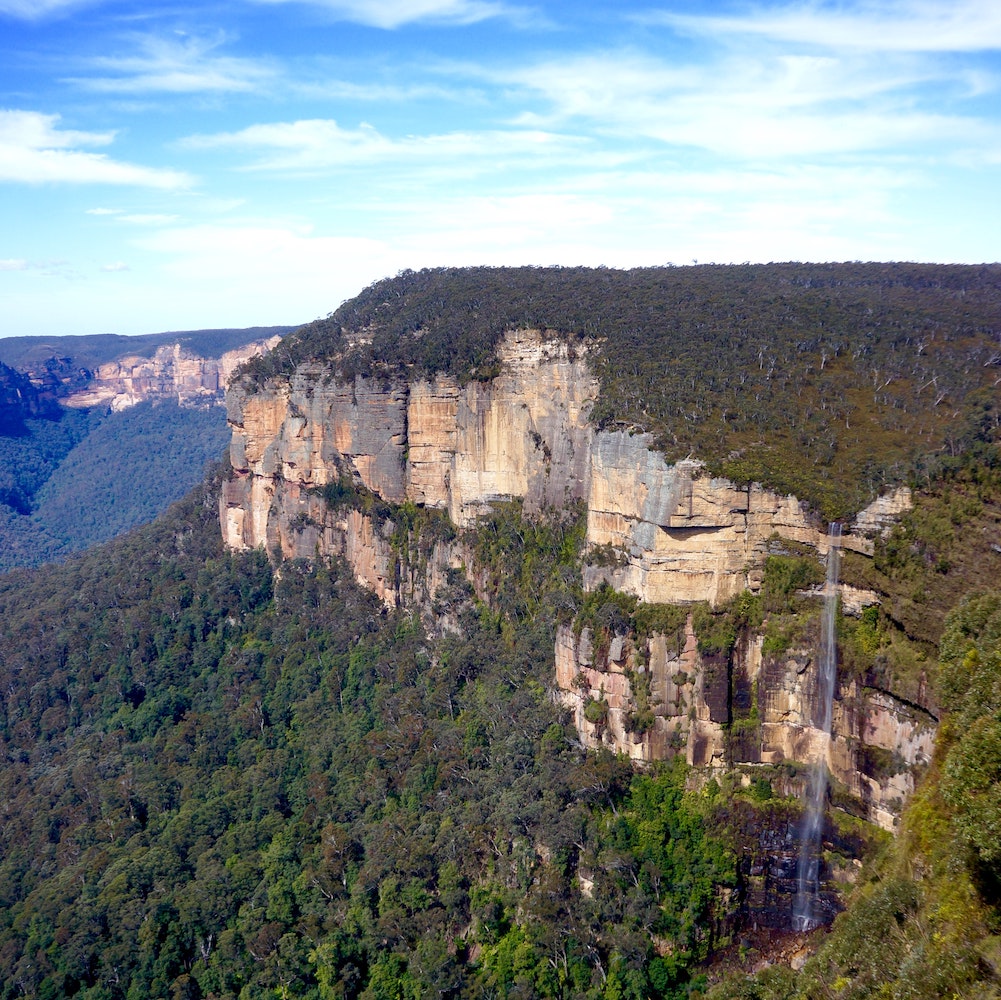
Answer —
826 381
218 783
925 922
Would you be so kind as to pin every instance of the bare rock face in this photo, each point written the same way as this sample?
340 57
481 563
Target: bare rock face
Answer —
674 534
745 709
173 372
665 533
457 448
883 513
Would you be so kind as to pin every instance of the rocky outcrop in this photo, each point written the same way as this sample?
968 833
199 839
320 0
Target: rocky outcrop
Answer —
439 444
173 372
670 533
305 445
20 401
742 709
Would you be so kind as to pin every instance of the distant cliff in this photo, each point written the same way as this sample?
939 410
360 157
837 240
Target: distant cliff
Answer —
667 534
19 400
80 460
175 371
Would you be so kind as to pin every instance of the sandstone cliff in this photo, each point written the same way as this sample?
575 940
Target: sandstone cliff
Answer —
664 533
173 372
20 400
746 709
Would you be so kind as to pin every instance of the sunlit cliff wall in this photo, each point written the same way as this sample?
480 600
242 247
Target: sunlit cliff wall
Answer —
173 372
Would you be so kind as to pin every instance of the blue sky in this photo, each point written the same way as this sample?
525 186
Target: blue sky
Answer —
170 166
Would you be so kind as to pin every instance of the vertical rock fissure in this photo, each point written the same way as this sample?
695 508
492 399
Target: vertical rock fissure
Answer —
804 915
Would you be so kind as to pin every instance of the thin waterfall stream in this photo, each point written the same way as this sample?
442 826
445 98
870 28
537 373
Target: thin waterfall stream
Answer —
804 916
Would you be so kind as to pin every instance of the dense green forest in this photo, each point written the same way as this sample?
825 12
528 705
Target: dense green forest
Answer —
74 478
218 782
224 782
826 381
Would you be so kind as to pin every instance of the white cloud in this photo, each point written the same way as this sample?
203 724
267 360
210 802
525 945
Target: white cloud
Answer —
747 105
634 218
184 65
318 144
33 130
12 264
272 272
391 14
117 266
33 151
149 219
102 211
877 25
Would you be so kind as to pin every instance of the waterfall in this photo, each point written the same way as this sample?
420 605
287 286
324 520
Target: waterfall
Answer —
808 869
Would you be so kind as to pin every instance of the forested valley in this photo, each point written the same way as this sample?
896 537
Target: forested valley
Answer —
74 478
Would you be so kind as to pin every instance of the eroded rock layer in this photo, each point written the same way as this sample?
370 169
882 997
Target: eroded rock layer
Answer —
173 372
743 709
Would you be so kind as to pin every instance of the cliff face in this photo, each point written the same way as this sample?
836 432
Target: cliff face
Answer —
668 533
743 709
665 533
173 372
19 400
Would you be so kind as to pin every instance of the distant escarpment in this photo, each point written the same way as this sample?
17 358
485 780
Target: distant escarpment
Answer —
174 372
97 437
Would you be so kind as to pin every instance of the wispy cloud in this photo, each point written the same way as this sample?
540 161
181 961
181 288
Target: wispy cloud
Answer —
149 219
320 144
876 25
748 105
47 267
115 267
390 14
283 273
38 10
34 150
184 65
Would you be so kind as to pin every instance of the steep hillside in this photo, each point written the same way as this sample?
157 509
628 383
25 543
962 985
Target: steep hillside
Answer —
83 477
360 743
222 783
